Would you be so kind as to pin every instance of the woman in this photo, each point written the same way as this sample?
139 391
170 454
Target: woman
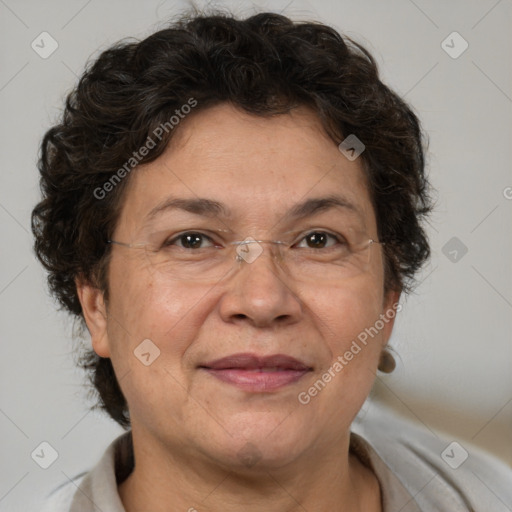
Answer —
233 208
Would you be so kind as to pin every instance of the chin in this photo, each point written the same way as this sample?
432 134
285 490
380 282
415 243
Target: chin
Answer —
251 458
260 447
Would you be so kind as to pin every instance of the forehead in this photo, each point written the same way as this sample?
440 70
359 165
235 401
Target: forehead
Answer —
256 169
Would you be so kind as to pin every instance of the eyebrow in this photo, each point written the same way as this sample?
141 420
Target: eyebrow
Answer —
210 208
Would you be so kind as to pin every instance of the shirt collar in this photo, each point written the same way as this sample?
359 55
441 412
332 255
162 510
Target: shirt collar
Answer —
98 490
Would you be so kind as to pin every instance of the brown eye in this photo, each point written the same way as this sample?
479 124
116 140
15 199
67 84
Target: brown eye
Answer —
318 239
189 240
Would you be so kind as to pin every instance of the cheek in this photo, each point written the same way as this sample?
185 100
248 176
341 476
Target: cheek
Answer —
344 311
144 306
345 316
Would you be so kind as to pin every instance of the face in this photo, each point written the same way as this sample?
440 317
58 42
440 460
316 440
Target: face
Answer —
259 169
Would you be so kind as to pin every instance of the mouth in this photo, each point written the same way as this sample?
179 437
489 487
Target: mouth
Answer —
257 373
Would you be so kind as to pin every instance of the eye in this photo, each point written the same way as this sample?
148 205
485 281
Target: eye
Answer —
320 239
189 240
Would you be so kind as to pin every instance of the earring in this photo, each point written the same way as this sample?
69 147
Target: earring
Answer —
387 362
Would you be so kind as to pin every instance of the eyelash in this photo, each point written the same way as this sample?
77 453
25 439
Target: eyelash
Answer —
171 241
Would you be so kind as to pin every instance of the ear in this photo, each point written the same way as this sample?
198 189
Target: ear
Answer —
95 314
390 309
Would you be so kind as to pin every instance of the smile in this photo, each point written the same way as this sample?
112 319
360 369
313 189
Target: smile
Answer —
257 373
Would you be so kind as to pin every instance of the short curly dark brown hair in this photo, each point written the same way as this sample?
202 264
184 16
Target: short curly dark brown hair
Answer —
266 65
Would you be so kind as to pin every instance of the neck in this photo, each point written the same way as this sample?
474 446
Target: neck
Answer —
321 483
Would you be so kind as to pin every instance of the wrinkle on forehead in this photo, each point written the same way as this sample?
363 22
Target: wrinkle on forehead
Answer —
253 165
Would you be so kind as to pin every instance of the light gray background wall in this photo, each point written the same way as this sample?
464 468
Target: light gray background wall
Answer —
454 334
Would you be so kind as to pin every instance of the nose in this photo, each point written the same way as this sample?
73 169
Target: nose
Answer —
259 292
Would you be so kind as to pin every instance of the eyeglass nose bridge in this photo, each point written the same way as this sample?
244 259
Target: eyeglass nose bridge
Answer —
246 252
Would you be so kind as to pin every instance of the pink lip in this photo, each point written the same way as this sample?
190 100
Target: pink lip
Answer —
246 371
